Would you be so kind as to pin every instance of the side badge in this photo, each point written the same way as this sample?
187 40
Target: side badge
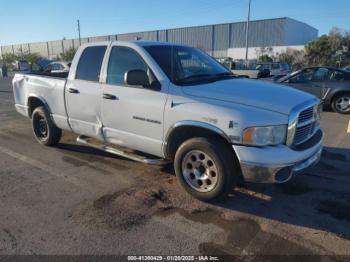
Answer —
232 125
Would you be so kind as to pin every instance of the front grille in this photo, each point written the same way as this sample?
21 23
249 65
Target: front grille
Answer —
304 133
306 115
305 127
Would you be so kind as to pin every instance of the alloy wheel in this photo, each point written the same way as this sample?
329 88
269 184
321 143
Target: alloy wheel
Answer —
200 171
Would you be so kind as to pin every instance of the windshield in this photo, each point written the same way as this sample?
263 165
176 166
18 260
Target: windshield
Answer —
186 65
282 79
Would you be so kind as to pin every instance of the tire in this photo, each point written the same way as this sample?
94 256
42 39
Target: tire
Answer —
45 131
206 168
339 103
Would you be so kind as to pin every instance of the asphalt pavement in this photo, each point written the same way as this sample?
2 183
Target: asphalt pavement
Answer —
72 199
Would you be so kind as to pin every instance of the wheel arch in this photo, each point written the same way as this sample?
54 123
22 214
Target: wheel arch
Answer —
338 92
184 130
35 101
335 95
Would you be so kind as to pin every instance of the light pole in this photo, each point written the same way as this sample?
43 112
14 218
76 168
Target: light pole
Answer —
79 32
246 35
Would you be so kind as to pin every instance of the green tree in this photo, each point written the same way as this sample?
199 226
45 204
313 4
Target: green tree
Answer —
329 49
68 54
29 57
265 58
8 58
294 58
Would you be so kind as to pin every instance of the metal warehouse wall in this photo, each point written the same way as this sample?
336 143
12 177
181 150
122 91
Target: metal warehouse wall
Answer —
299 33
214 39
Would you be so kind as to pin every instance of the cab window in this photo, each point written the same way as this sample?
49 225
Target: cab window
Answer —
90 63
311 74
321 74
303 76
122 60
338 76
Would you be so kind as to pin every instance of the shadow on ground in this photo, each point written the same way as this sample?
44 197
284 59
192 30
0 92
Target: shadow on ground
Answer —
318 199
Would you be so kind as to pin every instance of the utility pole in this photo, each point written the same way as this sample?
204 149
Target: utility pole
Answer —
247 34
79 32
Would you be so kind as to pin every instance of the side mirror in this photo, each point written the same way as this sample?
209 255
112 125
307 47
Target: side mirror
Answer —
136 78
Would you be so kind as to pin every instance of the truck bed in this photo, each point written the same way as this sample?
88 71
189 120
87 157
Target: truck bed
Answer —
56 75
46 87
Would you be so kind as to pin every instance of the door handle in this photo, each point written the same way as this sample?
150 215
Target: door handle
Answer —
109 96
73 90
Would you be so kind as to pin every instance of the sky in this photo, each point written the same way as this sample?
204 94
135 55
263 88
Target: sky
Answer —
24 21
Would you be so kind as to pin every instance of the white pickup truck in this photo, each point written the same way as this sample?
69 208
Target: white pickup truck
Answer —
169 102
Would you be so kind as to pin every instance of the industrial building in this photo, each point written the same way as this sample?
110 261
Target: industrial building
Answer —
219 40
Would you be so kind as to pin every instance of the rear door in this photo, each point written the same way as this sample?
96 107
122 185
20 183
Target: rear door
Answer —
84 92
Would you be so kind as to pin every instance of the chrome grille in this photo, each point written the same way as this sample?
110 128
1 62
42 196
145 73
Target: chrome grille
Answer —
304 133
306 115
306 126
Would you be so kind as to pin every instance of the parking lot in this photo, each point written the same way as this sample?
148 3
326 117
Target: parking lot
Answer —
76 200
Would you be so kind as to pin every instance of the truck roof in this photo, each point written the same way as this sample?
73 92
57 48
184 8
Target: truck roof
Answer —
136 42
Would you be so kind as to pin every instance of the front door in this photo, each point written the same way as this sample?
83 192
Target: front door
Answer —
311 80
132 116
84 94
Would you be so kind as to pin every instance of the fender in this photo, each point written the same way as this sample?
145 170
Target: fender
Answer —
192 123
42 100
333 92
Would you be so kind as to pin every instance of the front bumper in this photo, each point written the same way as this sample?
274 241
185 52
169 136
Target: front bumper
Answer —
276 164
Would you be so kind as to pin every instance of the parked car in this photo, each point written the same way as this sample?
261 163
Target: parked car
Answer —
58 67
22 65
330 84
347 68
174 103
39 65
276 69
240 69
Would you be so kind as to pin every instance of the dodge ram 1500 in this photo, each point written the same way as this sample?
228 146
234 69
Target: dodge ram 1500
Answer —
174 103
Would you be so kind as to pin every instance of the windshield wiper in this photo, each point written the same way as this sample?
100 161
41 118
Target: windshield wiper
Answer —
225 75
205 77
193 77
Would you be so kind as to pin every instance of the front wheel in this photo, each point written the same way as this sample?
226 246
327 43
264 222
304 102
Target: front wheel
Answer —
341 103
45 131
206 168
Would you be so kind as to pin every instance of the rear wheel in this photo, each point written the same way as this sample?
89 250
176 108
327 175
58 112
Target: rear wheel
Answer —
341 103
45 131
206 168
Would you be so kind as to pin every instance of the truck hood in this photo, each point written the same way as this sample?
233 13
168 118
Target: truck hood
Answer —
255 93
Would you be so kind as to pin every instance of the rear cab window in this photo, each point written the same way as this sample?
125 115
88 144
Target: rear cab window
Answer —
90 63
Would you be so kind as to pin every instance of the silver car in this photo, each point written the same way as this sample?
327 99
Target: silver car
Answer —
332 85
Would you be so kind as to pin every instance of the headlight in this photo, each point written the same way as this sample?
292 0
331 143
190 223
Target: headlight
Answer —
265 135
